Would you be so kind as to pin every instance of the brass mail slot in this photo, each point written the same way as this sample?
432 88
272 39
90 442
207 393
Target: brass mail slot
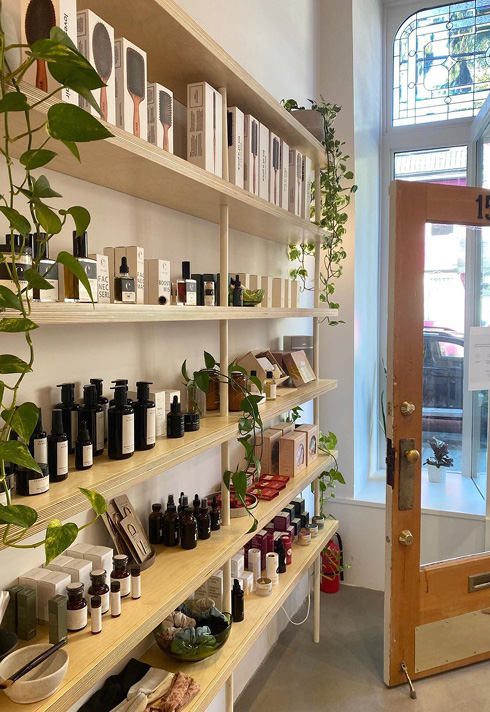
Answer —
478 582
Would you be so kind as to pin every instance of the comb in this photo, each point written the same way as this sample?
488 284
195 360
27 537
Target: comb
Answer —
135 65
40 18
102 51
255 151
165 114
275 164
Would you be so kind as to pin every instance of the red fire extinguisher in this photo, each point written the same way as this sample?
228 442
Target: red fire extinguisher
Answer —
332 565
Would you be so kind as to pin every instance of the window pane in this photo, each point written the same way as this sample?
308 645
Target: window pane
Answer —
444 165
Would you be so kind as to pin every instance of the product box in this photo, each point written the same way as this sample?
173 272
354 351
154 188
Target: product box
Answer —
130 65
160 106
205 127
160 399
215 588
266 285
299 504
103 278
292 531
247 582
78 550
312 433
135 257
36 19
96 43
264 493
292 511
54 584
287 293
31 579
305 518
101 558
169 396
298 367
269 461
296 523
109 252
157 281
285 428
292 454
237 563
274 169
295 181
306 180
261 363
278 292
294 289
202 591
59 562
282 521
251 155
263 162
79 570
284 176
236 129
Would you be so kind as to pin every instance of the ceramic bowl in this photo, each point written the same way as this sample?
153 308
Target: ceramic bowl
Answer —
194 652
39 683
8 643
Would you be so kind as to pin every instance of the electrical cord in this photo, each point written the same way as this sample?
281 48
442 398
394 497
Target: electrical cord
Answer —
307 613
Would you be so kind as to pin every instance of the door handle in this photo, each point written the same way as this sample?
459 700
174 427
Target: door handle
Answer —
412 456
406 537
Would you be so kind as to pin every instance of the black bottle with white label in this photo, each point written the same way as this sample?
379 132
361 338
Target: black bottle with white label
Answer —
175 420
144 418
121 426
121 382
70 413
57 449
84 454
38 444
101 400
124 287
47 268
93 415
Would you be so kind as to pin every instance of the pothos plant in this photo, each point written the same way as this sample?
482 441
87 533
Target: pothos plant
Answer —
336 188
24 204
250 426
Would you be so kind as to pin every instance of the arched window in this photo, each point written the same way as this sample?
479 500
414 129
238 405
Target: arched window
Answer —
441 63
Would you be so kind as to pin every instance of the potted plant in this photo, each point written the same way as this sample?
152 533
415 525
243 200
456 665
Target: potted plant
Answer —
439 461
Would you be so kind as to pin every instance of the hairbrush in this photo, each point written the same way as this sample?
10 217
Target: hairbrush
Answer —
165 114
254 145
102 51
40 18
275 164
136 83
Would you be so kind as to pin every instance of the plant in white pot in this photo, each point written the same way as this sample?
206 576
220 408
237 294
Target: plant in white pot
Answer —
440 459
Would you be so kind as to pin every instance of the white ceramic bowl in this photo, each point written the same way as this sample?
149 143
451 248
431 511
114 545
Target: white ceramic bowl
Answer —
39 683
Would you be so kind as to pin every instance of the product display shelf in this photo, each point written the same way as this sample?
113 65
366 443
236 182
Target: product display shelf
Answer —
64 313
135 167
181 52
112 477
172 578
211 674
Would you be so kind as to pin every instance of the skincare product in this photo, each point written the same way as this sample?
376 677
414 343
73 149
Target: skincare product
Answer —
319 521
79 571
96 43
78 550
160 102
29 482
144 418
115 599
237 602
278 293
255 562
98 587
160 399
192 422
237 296
122 382
124 287
101 400
304 537
175 420
287 293
74 290
313 529
57 619
263 587
100 556
205 127
38 443
247 582
204 520
103 278
135 581
120 573
295 292
299 368
215 515
251 154
69 410
53 584
263 162
26 614
121 426
275 169
287 540
269 452
281 556
237 563
188 529
48 269
76 607
236 128
187 286
130 90
284 176
23 261
295 181
271 566
199 288
158 286
58 562
93 415
57 449
155 524
209 294
170 524
196 504
270 386
96 615
9 620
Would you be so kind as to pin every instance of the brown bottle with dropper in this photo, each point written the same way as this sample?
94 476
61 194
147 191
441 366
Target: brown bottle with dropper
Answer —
188 529
204 520
171 524
215 515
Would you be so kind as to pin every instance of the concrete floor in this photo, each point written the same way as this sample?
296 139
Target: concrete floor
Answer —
344 672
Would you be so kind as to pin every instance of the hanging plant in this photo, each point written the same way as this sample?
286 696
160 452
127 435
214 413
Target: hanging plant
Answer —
336 189
26 208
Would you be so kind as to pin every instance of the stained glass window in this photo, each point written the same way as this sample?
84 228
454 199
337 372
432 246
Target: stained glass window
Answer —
441 63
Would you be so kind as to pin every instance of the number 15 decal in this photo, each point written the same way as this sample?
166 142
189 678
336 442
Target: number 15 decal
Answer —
479 200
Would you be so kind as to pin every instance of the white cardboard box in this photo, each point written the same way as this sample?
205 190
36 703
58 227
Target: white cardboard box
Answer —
109 252
64 15
266 284
79 570
52 585
284 170
101 558
264 162
205 127
251 155
160 399
58 563
287 293
130 66
157 281
160 102
275 186
236 128
237 565
96 43
278 292
306 188
247 582
294 287
169 396
31 579
78 550
136 262
103 278
295 181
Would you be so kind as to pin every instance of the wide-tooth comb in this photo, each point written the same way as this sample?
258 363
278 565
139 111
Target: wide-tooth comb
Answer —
165 108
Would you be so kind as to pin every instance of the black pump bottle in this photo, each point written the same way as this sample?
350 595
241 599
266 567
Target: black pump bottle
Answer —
120 382
144 418
70 413
57 449
121 426
237 600
93 415
101 400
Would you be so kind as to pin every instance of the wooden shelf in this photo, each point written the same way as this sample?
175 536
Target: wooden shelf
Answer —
112 477
180 53
175 574
67 313
135 167
212 673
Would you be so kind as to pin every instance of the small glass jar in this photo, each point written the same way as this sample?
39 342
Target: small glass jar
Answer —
263 587
313 529
98 587
304 537
319 521
120 573
76 607
235 392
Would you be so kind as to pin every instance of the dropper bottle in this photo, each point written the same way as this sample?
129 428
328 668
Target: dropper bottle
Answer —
171 524
175 420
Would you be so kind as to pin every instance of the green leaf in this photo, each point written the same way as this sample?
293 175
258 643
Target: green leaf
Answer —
201 379
58 538
239 480
18 453
227 478
183 370
67 122
48 219
17 221
15 325
96 500
18 514
73 148
13 364
14 101
59 35
2 391
81 218
79 80
36 157
245 425
254 526
34 279
257 382
42 189
9 300
23 420
64 258
209 360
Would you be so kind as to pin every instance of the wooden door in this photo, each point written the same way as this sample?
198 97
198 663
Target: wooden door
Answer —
433 622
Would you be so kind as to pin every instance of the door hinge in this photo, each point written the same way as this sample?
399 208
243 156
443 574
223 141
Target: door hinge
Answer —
390 463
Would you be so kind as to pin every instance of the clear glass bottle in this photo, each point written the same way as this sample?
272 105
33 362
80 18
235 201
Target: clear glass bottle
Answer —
99 587
270 386
76 607
120 573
